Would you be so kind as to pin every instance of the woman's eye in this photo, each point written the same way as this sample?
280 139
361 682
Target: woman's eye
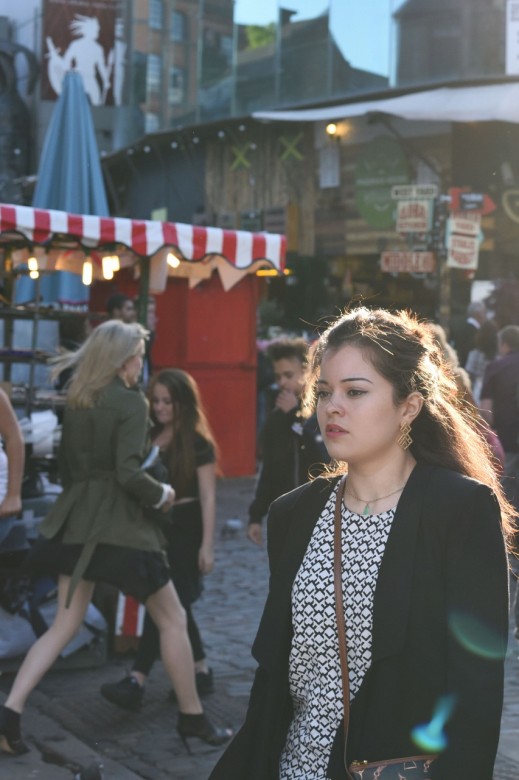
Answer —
322 394
354 393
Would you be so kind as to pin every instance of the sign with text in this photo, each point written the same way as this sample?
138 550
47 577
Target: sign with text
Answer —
463 251
461 199
407 262
413 216
410 191
468 223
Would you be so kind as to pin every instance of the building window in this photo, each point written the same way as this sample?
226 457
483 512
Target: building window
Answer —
151 122
226 48
178 27
177 86
156 14
153 74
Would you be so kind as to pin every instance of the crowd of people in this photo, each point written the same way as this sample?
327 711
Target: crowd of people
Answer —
389 468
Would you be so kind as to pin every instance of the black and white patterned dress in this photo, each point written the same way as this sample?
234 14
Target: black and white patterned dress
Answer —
314 671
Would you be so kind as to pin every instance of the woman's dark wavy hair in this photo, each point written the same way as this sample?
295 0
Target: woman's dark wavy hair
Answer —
189 418
403 350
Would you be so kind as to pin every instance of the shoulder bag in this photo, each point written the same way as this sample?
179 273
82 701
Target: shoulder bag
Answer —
410 768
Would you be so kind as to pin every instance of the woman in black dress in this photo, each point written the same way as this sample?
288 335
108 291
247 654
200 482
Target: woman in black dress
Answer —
187 449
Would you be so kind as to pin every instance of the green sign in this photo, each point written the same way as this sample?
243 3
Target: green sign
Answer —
382 165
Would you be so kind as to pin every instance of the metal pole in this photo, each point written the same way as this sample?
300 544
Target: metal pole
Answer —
444 272
199 56
144 286
34 344
234 63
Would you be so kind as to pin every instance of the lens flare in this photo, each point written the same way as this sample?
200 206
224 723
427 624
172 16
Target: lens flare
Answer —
476 637
430 736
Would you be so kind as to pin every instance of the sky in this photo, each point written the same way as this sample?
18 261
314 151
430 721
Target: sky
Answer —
361 28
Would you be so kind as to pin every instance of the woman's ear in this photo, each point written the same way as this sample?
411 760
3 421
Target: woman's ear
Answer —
411 407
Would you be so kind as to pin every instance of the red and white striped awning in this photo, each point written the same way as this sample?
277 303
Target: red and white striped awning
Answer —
54 230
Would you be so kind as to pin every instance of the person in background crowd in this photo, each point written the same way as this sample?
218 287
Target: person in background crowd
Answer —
500 403
12 461
465 396
479 357
422 568
121 307
188 450
291 443
466 337
98 531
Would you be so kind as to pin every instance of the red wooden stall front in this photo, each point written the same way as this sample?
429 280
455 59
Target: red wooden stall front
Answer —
211 334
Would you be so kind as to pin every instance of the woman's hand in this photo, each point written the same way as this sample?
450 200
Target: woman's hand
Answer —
206 558
170 498
255 533
286 401
11 505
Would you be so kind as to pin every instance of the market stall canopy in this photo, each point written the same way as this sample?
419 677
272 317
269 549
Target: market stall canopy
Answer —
485 103
63 241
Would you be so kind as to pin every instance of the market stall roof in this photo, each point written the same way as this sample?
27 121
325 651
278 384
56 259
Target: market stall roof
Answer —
64 240
485 103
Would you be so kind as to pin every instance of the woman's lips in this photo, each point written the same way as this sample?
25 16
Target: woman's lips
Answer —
334 430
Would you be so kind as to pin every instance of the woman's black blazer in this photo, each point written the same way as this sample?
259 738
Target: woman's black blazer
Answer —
440 628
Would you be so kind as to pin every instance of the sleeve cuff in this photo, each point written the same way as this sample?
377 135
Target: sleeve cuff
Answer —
165 490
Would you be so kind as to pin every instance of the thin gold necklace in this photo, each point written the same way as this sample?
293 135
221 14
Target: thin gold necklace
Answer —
367 503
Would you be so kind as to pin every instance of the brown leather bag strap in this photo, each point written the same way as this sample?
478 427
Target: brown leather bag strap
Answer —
339 607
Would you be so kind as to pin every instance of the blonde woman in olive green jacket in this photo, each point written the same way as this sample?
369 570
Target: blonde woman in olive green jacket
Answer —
98 531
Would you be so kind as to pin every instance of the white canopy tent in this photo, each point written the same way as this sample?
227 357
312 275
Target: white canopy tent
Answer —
484 103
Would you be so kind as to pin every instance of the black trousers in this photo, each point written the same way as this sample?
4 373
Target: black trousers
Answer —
184 536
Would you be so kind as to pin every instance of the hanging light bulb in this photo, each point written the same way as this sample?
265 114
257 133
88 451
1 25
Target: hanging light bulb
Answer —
116 265
172 260
88 272
33 267
108 271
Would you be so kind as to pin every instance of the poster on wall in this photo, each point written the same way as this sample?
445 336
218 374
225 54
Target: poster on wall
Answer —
87 35
381 165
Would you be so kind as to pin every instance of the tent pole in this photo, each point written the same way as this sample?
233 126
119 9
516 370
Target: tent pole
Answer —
144 286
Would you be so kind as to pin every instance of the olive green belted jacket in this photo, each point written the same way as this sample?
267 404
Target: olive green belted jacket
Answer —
104 489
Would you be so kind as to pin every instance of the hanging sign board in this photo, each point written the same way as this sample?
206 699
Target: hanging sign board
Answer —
463 251
466 223
407 262
410 191
413 216
461 199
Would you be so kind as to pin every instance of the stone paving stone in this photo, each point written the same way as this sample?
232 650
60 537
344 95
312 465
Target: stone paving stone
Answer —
145 744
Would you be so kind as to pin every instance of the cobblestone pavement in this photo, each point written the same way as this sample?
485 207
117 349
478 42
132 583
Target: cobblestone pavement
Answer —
69 724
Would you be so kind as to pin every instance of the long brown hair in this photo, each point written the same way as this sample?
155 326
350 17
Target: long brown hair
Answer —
404 351
189 418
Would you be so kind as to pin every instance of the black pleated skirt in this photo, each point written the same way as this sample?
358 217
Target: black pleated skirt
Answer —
137 573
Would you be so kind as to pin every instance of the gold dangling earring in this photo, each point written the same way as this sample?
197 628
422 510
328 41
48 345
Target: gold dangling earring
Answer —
404 438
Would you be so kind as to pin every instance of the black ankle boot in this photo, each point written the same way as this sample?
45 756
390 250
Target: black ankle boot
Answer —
200 727
10 738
